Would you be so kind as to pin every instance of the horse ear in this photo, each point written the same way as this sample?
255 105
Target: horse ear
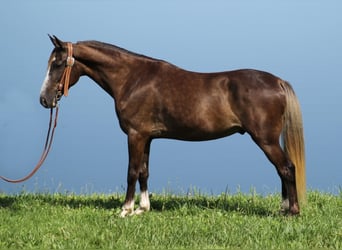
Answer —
55 41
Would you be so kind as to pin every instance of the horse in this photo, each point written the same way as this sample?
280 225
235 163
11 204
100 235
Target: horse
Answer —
156 99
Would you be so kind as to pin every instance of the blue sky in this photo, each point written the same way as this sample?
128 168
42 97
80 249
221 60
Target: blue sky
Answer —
299 41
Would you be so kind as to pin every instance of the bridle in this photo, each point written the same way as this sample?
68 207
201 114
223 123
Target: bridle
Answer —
65 79
63 84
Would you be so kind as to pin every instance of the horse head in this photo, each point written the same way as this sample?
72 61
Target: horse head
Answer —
61 73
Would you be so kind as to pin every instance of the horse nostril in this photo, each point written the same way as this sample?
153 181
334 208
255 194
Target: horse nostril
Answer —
43 102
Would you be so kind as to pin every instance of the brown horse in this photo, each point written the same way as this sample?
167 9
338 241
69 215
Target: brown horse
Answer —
155 99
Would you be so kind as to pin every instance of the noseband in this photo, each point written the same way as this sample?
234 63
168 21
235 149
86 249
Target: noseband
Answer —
65 79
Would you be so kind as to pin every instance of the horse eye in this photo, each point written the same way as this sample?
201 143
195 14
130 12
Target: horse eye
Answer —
58 62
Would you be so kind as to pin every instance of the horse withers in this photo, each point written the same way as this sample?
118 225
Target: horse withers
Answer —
155 99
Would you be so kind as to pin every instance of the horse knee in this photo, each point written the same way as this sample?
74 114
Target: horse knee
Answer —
132 175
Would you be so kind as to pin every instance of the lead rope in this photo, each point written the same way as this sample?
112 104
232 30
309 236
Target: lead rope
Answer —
66 79
46 150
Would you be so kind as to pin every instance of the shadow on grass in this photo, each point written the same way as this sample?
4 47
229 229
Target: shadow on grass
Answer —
74 201
243 204
7 201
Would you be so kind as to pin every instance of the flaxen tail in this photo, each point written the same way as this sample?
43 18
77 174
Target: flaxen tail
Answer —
293 139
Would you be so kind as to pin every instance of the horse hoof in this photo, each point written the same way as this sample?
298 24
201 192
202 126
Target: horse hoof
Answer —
141 210
126 212
294 211
287 210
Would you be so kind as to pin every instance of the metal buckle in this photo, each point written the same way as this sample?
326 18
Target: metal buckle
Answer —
70 61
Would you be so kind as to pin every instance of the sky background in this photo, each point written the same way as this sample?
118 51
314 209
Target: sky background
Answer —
299 41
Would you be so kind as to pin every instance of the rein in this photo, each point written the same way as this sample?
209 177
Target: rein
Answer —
48 143
64 83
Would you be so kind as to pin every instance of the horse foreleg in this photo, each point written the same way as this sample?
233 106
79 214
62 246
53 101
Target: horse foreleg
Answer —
136 169
144 205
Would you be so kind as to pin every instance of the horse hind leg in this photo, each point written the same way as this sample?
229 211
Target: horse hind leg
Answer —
285 170
285 205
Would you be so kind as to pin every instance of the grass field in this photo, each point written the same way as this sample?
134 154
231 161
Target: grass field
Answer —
248 221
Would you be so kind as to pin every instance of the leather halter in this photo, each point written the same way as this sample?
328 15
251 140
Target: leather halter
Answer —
65 79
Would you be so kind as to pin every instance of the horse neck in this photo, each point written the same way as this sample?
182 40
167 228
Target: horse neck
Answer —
108 67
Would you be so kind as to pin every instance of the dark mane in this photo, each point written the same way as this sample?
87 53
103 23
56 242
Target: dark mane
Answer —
111 47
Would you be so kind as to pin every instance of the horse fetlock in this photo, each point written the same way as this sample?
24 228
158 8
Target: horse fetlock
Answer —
285 205
127 209
144 201
144 205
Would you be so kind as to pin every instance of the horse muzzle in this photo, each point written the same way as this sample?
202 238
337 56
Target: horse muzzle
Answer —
49 103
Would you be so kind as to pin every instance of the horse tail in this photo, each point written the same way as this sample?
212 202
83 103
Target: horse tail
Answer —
293 139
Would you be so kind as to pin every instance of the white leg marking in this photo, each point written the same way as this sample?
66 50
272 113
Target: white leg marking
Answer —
144 203
127 209
285 205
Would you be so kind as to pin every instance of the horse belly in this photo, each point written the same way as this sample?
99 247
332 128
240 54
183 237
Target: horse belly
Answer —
201 122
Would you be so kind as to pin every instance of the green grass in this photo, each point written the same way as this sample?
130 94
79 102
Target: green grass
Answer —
248 221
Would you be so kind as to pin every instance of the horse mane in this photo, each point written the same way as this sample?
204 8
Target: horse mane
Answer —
114 48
